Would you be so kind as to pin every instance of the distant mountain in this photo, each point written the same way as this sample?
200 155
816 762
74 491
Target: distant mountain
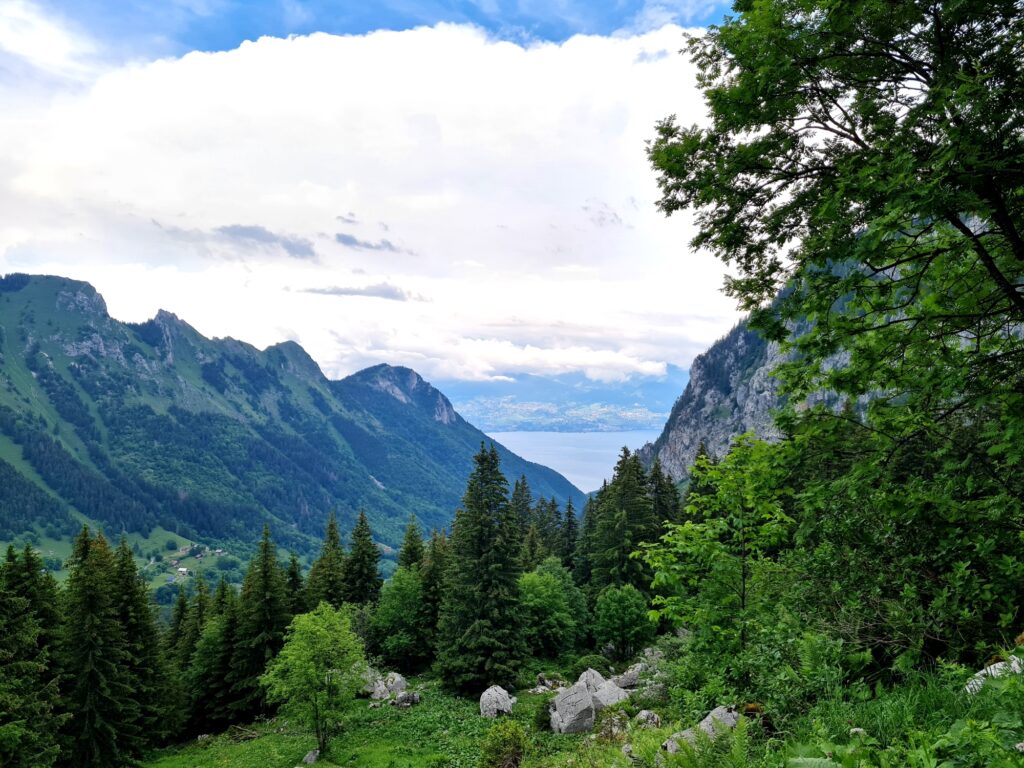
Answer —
730 391
138 425
567 402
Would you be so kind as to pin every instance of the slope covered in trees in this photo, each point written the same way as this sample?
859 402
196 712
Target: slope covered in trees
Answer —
153 424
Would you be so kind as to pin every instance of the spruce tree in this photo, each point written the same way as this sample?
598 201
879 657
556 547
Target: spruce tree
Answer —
532 552
262 619
192 626
522 502
479 634
625 518
213 704
295 586
435 566
144 663
664 499
567 551
29 720
27 578
362 572
98 696
411 554
326 581
586 542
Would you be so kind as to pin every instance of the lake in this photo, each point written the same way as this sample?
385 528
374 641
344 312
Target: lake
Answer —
585 458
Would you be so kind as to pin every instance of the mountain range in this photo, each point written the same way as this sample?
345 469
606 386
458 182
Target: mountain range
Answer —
133 426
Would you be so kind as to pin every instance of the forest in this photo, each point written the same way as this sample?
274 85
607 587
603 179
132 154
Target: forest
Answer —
847 595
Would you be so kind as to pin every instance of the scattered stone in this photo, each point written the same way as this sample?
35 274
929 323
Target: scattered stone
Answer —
311 757
720 720
375 704
543 681
645 718
608 694
653 691
203 737
395 683
1014 666
592 679
572 711
406 699
495 701
857 732
631 677
1019 746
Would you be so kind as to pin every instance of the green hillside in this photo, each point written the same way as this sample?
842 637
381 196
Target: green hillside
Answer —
139 426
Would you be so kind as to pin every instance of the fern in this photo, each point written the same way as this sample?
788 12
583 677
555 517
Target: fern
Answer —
811 762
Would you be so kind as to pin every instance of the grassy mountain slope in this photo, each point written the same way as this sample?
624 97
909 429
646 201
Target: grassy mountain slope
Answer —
140 425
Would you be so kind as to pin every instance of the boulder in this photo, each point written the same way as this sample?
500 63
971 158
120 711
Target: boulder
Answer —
311 757
652 655
373 685
496 701
395 683
645 718
572 711
405 699
631 677
607 694
592 679
1014 666
720 720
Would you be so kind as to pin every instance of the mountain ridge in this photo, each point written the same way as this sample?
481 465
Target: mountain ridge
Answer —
215 436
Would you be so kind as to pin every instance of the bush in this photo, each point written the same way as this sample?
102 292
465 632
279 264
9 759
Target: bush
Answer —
591 661
621 621
170 545
504 746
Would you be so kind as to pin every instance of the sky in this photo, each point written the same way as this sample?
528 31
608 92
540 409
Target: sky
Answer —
459 187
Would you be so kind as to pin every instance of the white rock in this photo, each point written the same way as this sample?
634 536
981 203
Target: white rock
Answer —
645 718
720 720
573 710
311 757
1014 666
395 683
592 679
608 694
631 677
495 701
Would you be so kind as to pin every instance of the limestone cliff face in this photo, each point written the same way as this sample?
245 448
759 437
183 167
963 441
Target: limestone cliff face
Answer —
731 391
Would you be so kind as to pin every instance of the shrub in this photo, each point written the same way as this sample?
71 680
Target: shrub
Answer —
504 746
591 661
621 620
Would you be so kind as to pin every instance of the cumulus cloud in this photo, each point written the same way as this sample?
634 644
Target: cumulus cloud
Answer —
516 172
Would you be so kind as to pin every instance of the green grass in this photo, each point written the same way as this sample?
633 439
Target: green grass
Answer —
443 731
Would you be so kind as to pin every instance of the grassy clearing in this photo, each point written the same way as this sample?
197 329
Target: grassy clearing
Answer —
444 731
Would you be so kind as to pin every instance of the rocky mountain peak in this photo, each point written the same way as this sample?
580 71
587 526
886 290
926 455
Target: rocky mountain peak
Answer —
409 388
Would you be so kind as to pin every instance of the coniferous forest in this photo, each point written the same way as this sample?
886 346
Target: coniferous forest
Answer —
847 593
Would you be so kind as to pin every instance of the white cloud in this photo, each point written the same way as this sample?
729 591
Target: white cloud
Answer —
30 35
500 181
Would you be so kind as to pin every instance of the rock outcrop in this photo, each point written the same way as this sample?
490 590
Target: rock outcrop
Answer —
608 694
730 391
496 701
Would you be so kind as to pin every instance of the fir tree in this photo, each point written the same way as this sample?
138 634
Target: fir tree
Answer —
411 554
362 572
262 619
479 634
98 696
27 578
586 542
326 581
